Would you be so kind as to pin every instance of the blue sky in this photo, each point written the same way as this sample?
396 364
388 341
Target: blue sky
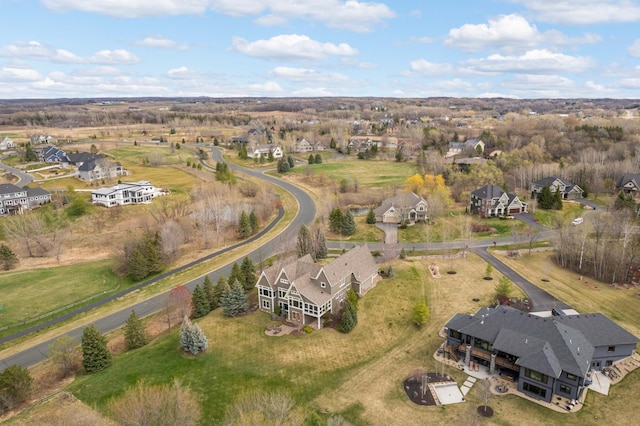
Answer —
278 48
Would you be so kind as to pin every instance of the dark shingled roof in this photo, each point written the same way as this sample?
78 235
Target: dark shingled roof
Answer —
548 345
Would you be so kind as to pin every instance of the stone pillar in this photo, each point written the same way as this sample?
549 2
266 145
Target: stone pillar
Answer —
467 356
492 365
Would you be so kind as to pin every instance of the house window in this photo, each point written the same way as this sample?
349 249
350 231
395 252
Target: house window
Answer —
565 389
284 281
455 334
323 284
536 376
295 303
572 377
608 363
611 349
266 304
528 387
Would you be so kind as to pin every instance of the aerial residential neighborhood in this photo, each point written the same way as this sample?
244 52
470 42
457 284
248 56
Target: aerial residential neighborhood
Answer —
364 264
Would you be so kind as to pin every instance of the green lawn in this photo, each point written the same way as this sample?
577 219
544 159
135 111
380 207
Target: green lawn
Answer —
364 232
303 366
569 212
451 228
369 173
27 294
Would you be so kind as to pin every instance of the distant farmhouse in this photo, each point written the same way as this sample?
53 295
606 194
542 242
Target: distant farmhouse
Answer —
492 201
544 356
305 291
7 143
568 190
262 151
473 146
14 200
403 208
629 183
91 167
304 145
122 194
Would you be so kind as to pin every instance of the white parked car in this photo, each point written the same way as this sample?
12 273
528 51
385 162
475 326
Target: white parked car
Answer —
577 221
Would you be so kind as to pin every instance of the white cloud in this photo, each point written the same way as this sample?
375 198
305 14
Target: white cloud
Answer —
422 67
583 11
313 92
292 47
534 61
38 51
510 33
118 56
161 42
505 32
19 74
306 75
266 87
634 49
353 15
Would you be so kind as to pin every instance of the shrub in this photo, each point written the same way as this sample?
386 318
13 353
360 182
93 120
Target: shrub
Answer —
173 404
15 386
307 329
95 354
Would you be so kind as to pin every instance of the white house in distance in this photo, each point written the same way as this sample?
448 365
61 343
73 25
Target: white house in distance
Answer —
263 151
6 143
122 194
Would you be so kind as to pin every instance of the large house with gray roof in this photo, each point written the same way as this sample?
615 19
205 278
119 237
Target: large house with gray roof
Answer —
403 208
543 355
568 191
14 200
492 201
305 291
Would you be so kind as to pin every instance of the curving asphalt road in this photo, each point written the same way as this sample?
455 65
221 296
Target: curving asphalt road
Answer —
306 213
23 178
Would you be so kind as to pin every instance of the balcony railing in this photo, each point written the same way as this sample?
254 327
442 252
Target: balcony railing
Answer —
485 355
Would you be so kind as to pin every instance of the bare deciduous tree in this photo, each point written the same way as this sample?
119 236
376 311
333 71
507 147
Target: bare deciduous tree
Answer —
173 404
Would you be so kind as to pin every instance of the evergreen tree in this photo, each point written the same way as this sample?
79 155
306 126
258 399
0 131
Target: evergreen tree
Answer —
95 354
348 224
29 153
234 300
243 152
8 259
349 318
399 156
291 161
253 221
371 217
270 157
248 273
320 244
421 314
557 200
199 342
15 386
352 298
199 302
209 292
135 335
489 270
504 287
236 274
318 159
332 143
244 228
312 159
283 166
304 245
545 198
622 202
218 290
336 217
185 333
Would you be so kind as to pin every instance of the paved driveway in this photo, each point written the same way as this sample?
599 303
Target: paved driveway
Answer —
390 232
